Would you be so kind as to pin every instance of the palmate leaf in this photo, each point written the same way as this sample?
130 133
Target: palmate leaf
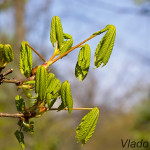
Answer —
20 137
20 103
56 33
105 46
87 126
25 59
41 82
66 97
83 63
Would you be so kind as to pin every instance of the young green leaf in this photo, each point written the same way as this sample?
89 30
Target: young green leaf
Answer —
87 126
20 103
20 137
28 127
53 31
66 96
56 33
25 59
54 86
41 82
105 46
67 36
2 62
66 46
8 53
83 63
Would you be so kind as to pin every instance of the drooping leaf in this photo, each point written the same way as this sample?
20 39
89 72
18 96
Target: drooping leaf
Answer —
66 46
83 63
66 96
41 82
20 137
25 59
67 36
105 46
56 33
101 31
8 53
87 126
53 31
20 103
54 86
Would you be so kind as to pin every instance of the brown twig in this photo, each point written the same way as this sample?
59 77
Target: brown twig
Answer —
36 52
72 109
50 62
17 81
17 115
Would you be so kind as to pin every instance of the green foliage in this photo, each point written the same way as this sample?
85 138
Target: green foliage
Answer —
66 46
20 103
41 82
25 59
20 137
105 46
48 88
56 34
6 54
87 126
53 88
83 64
66 96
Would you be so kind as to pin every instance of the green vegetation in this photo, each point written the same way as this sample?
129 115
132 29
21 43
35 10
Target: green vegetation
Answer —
40 86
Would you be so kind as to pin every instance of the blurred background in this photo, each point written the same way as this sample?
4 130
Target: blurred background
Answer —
121 90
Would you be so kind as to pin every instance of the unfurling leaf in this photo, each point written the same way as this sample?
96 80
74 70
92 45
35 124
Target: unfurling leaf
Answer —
53 88
56 33
41 82
20 137
20 103
6 55
83 63
105 46
67 36
25 59
66 96
87 126
53 84
66 46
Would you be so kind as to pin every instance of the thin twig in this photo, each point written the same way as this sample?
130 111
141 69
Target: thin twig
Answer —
7 72
17 115
17 81
36 52
73 109
50 62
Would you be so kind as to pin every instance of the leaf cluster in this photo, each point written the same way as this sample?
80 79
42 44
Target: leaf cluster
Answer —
46 87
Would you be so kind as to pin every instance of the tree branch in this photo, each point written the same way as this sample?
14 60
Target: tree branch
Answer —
50 62
36 52
72 109
17 115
